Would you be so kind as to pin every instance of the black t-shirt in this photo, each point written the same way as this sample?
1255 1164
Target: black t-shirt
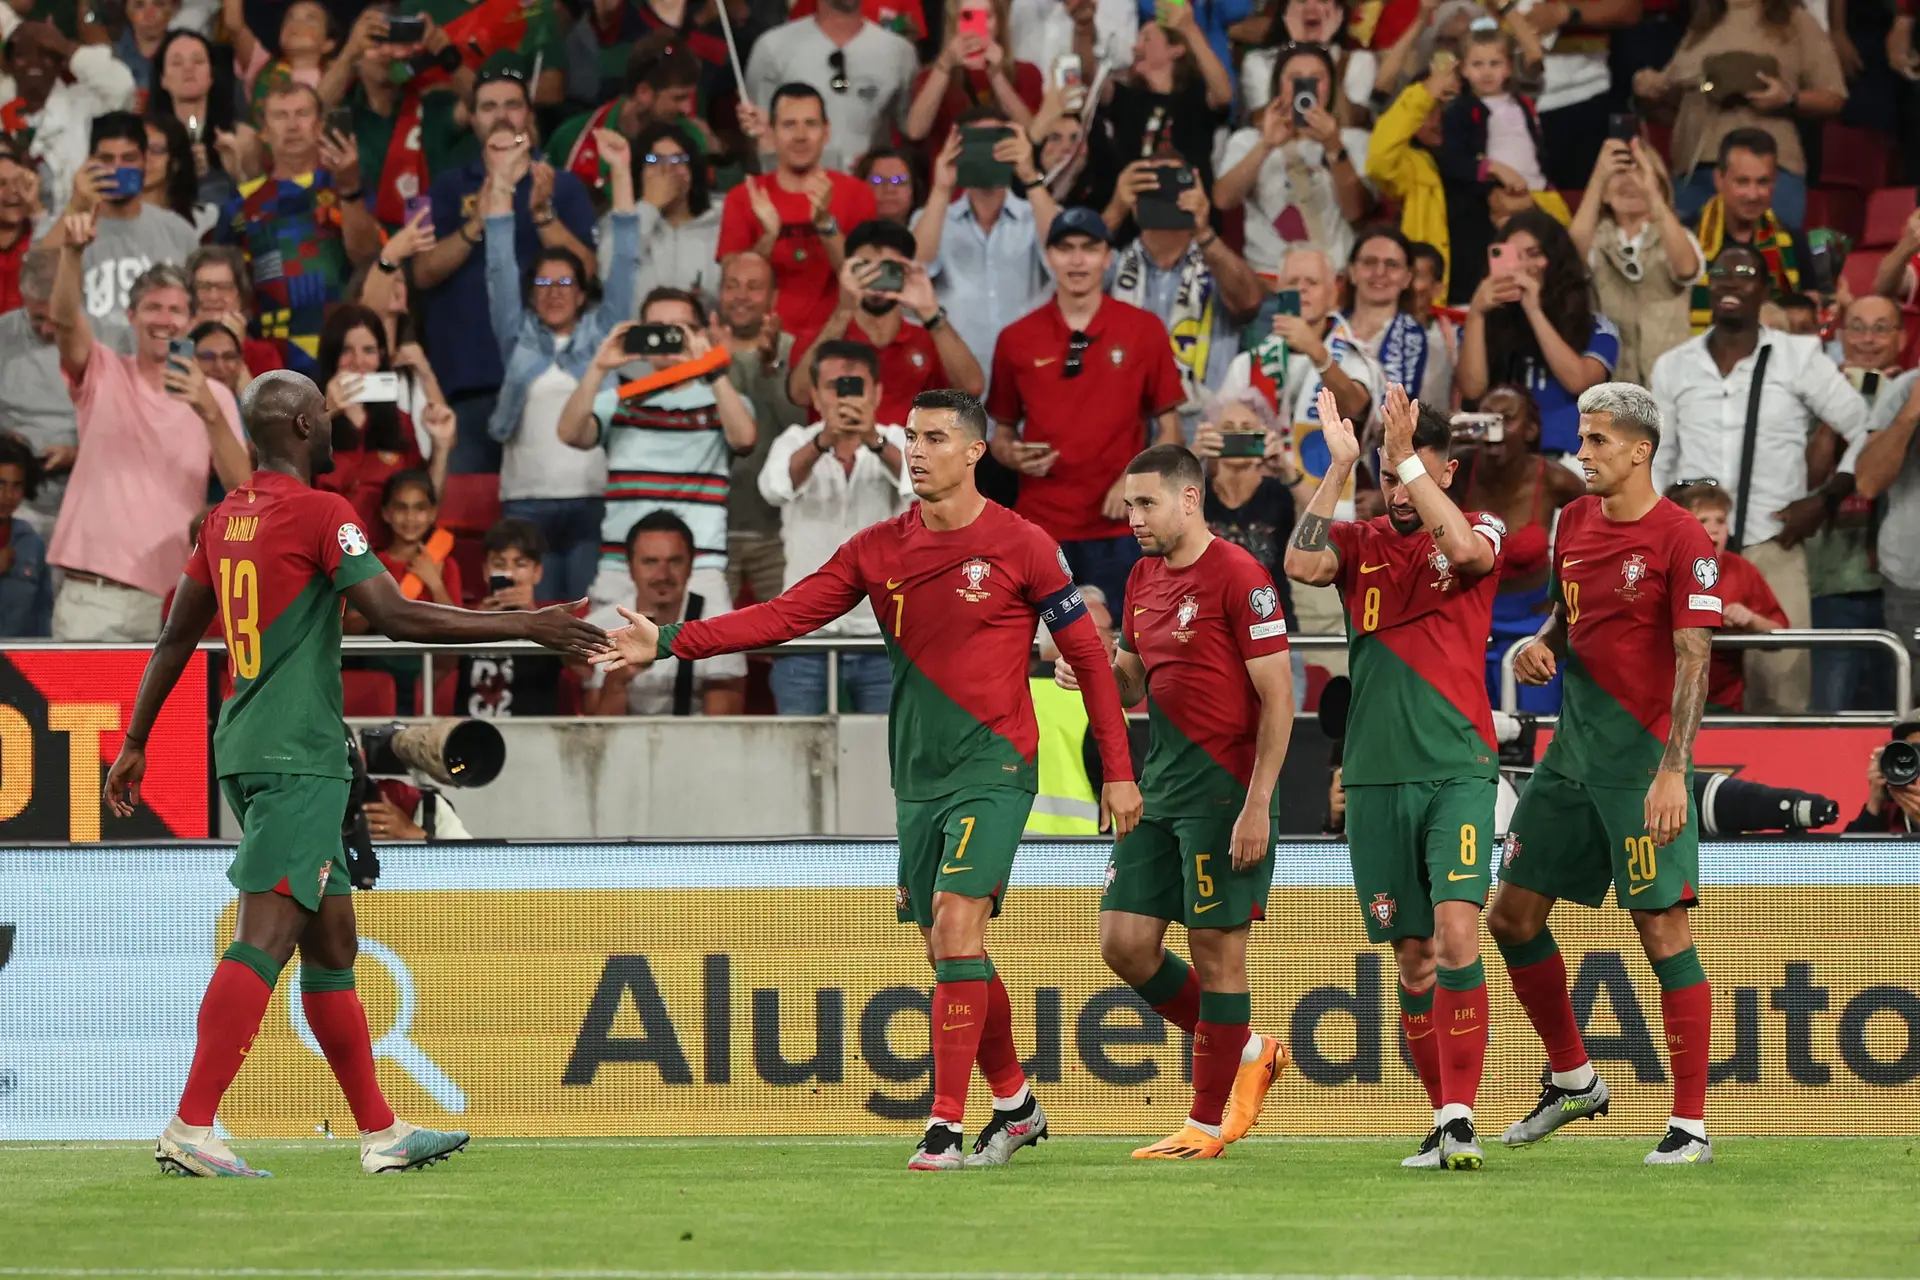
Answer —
508 684
1260 527
1137 123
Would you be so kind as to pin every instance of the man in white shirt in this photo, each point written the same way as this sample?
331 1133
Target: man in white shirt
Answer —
1704 388
863 71
660 560
1043 30
831 479
1890 465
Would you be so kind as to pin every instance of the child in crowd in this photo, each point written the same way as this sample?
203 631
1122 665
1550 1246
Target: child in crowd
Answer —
26 598
1747 602
307 41
1489 149
418 552
511 684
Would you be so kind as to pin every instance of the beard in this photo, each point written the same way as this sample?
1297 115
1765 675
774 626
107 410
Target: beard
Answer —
877 306
1406 528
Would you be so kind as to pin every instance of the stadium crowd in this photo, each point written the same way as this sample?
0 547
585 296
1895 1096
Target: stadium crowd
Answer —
1117 222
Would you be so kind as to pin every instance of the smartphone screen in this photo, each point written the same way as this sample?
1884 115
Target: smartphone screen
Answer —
1066 71
974 22
419 205
406 29
1287 302
340 121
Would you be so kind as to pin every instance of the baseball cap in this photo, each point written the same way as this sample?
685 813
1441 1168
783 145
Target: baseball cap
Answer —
1078 221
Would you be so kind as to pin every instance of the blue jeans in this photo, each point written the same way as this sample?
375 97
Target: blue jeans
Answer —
800 683
1789 196
474 451
571 527
1850 679
1104 563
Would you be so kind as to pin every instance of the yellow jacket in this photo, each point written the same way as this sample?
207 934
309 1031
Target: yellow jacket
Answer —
1407 173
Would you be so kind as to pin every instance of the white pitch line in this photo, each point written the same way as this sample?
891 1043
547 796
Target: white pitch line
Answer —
560 1273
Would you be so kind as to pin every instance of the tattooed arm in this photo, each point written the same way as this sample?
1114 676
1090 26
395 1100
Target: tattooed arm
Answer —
1667 797
1310 555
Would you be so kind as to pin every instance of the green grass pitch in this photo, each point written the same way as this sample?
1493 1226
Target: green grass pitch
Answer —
848 1210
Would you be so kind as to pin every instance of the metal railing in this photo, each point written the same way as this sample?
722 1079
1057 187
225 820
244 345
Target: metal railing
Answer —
1785 638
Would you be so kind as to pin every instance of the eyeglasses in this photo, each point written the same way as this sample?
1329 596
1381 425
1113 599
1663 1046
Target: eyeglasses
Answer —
1733 271
218 357
553 282
654 157
215 286
1860 329
1710 481
837 63
1380 264
1077 344
899 180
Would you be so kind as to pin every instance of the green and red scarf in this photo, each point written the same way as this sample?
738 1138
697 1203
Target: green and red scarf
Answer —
1771 238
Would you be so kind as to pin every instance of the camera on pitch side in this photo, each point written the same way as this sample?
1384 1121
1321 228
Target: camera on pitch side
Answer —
441 753
1900 763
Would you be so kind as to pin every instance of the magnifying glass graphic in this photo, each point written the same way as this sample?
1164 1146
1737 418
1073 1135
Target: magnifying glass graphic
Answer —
396 1043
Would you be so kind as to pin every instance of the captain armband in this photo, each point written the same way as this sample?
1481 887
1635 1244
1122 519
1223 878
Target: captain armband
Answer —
1062 607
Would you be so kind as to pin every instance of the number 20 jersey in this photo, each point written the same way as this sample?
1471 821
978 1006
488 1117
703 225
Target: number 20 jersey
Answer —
277 554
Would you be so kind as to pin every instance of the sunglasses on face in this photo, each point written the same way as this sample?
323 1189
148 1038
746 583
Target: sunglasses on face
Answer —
837 63
1077 344
654 157
899 180
1733 271
553 282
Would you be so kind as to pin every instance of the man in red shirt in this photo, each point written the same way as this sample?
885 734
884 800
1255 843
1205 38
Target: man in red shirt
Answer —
928 356
1073 385
794 216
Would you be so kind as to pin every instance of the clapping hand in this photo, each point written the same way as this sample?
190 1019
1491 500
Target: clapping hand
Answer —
1343 445
1402 416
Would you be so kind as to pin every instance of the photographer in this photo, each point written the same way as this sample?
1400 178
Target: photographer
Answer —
831 479
1890 807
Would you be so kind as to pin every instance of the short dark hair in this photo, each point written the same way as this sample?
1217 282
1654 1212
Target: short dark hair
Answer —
123 125
1421 251
1801 302
209 329
659 520
413 479
878 233
969 413
665 293
658 63
1385 231
981 113
511 533
1758 141
794 89
1433 430
15 451
698 197
844 349
1701 494
588 282
1172 462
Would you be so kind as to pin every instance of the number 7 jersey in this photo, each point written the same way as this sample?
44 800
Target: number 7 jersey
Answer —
277 555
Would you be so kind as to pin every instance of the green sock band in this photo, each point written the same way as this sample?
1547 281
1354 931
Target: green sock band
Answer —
971 969
1415 1003
1167 982
991 971
1228 1007
255 959
1466 978
1539 947
1677 972
313 979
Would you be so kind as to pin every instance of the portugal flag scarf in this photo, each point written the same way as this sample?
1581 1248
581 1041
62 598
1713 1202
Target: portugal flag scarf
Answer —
1773 241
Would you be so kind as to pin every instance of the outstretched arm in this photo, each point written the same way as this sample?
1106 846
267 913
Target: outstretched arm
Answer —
378 599
1666 808
193 608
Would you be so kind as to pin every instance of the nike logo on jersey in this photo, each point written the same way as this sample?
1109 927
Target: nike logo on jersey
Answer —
893 584
1459 875
1200 910
1139 610
1568 564
1372 568
1462 1031
1634 891
1043 363
947 871
954 1026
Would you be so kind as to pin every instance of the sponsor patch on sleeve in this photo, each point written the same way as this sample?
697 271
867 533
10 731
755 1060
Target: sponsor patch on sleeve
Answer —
1062 607
1706 604
1706 572
1490 527
1267 630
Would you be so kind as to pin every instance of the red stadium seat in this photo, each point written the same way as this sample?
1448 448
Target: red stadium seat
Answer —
1910 339
1573 196
472 559
1837 208
1661 136
1887 212
369 693
1858 158
1859 272
471 504
1317 678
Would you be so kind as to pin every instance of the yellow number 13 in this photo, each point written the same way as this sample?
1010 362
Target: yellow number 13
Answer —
240 615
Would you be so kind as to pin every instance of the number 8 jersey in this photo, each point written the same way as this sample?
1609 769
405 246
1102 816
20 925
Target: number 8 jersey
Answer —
277 555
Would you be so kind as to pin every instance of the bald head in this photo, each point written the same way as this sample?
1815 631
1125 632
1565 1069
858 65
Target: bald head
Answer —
282 412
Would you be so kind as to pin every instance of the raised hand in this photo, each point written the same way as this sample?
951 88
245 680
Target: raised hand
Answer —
1401 416
1343 445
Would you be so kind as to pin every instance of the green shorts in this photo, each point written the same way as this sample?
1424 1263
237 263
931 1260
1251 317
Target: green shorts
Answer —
963 843
1182 869
1413 844
289 835
1570 840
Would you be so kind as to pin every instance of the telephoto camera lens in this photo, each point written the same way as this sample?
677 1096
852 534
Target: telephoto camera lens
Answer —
1731 807
1900 763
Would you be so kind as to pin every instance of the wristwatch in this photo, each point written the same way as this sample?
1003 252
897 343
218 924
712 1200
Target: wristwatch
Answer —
820 442
933 322
828 229
473 240
1024 187
543 217
386 268
879 446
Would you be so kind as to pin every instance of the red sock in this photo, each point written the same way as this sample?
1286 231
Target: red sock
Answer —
1425 1050
230 1014
1542 988
1463 1050
959 1017
340 1025
1688 1014
1183 1011
999 1059
1216 1060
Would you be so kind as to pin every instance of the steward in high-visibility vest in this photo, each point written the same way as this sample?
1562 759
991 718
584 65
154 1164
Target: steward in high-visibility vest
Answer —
1068 803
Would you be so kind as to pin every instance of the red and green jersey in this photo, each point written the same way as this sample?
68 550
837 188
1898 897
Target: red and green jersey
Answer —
1195 629
957 609
1417 647
277 555
1627 585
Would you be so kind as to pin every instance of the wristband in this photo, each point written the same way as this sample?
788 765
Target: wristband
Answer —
472 240
1411 469
386 268
879 446
132 741
933 322
1204 245
819 442
358 193
1324 365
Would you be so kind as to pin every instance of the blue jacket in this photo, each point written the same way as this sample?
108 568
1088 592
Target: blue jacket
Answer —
26 593
526 344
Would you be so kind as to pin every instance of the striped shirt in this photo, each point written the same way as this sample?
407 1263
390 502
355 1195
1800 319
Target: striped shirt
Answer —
667 451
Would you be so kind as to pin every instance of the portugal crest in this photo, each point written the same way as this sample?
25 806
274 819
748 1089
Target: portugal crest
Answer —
1381 909
1183 619
1442 566
1632 571
1510 851
975 572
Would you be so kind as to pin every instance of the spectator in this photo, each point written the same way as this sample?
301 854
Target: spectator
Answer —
19 193
550 211
671 449
1890 467
418 553
1383 323
26 591
151 432
982 247
905 18
198 91
913 357
1298 174
373 436
1199 289
381 285
1703 387
140 39
756 560
1805 84
679 224
1578 92
1644 262
130 235
547 346
1098 32
1071 437
306 44
796 217
406 132
34 401
1429 287
62 87
1300 23
1748 606
171 183
890 173
1171 98
222 293
510 684
1890 810
641 77
1741 212
1063 153
831 479
1534 324
218 353
1401 163
1896 277
973 69
660 556
861 73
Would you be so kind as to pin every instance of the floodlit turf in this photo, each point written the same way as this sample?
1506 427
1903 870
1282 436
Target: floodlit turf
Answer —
1770 1207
